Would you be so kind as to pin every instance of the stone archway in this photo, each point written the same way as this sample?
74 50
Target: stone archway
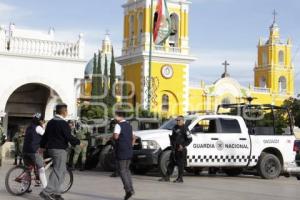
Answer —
26 100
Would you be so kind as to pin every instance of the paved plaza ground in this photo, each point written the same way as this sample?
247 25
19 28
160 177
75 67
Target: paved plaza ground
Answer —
96 185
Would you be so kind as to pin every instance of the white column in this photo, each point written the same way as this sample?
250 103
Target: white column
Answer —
81 46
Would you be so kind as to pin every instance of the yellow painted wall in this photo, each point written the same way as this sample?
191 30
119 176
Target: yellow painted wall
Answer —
196 99
173 87
132 73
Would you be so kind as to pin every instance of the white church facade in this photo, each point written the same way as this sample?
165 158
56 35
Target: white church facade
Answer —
37 72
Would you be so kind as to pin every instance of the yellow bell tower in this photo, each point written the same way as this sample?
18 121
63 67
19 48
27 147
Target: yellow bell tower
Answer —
169 66
274 70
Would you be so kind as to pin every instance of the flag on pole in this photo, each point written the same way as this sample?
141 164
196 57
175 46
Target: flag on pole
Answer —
162 23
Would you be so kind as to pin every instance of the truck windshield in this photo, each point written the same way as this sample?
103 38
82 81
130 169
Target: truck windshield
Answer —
169 125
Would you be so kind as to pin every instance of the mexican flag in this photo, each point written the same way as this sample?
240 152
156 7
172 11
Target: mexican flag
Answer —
162 23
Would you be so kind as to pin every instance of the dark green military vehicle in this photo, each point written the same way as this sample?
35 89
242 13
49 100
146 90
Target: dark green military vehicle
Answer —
101 150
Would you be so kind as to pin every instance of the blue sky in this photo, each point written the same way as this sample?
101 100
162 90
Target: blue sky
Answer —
219 29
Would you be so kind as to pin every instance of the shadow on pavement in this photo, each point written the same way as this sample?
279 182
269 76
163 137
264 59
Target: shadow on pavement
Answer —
25 196
98 196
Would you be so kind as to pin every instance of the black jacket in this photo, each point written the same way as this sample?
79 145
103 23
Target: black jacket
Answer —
58 135
32 140
180 136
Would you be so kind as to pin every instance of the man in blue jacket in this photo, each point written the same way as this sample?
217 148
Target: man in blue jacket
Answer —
125 139
56 139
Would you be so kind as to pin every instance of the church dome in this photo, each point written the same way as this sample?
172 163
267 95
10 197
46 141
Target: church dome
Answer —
88 72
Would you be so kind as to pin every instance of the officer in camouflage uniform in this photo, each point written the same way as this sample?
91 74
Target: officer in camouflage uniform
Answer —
18 140
2 141
83 135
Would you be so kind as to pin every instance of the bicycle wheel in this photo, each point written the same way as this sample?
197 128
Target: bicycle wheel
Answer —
18 180
68 182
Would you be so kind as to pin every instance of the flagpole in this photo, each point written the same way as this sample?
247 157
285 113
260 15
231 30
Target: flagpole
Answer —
150 55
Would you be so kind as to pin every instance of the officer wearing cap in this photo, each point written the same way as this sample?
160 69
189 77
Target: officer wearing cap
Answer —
179 140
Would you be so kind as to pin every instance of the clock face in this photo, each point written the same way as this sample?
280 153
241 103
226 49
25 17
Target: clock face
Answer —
167 71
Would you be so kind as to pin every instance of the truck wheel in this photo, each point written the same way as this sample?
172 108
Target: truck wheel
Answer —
107 159
164 162
233 171
269 166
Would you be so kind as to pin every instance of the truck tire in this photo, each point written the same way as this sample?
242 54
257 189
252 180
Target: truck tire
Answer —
164 162
107 159
269 166
233 171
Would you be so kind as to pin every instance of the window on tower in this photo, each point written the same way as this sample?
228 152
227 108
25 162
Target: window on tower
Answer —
263 82
165 103
140 27
282 84
173 41
264 58
281 57
131 31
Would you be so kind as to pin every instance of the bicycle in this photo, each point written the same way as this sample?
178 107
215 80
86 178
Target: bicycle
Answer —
19 179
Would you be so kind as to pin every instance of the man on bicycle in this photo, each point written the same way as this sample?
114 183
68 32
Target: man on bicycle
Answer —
32 141
56 139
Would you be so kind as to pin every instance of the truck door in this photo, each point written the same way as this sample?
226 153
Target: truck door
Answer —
203 150
234 142
218 142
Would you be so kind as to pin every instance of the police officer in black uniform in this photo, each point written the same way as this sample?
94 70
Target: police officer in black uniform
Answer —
179 140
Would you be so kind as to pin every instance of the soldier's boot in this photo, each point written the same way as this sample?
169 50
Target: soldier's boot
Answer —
16 161
164 179
20 161
178 180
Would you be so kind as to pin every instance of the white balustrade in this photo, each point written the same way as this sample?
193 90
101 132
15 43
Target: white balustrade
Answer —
261 89
37 47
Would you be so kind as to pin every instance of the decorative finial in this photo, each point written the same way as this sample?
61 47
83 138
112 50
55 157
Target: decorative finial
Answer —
225 74
107 32
274 16
51 31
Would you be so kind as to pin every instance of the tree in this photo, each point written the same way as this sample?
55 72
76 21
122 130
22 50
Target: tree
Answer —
112 77
94 77
293 105
105 82
99 70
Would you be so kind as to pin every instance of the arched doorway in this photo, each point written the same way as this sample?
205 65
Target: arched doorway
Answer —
169 105
24 102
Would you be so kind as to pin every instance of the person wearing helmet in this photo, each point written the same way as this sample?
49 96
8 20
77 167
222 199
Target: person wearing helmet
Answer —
32 140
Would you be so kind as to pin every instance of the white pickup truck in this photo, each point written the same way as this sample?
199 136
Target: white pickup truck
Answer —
227 142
